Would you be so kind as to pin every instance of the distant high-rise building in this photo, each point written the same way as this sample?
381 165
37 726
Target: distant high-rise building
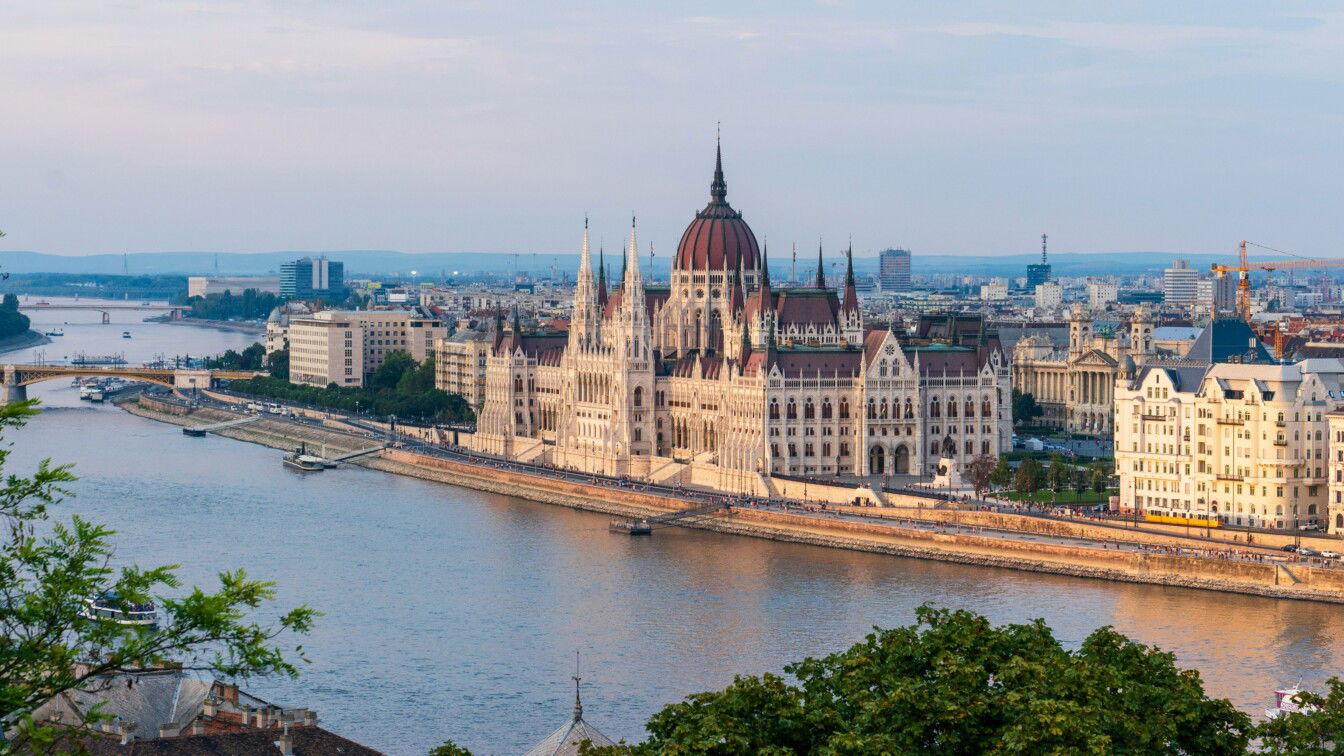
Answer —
1218 292
1180 283
310 277
1102 293
1040 273
894 271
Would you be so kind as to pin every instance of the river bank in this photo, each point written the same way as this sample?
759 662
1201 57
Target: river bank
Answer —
23 340
1029 553
221 325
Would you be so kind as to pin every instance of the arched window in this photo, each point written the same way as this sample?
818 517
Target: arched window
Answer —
844 409
639 396
882 409
826 409
872 410
934 411
774 409
809 410
951 407
909 410
970 407
792 410
986 409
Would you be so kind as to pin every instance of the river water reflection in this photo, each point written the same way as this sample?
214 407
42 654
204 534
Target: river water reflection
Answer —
453 613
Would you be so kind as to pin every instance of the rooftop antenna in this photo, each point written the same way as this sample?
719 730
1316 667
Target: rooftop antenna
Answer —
125 264
1043 238
793 270
216 263
650 262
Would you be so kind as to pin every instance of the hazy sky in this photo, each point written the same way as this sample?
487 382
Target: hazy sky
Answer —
963 127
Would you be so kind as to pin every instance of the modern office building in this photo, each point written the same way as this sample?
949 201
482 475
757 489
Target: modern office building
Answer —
1102 293
345 347
1039 273
200 286
459 364
311 277
1049 295
1180 283
894 270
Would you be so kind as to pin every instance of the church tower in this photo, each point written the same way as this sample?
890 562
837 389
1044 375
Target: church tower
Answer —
851 318
584 323
1080 332
1141 338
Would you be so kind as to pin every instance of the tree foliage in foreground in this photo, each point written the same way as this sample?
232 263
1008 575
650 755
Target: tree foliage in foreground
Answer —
953 683
1316 731
49 569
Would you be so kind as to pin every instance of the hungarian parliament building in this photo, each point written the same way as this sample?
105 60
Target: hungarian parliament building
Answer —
723 373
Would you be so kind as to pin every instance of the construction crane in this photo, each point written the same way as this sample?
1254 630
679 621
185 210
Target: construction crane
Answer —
1244 267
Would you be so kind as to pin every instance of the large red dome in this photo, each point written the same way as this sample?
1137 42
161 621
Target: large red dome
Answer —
718 237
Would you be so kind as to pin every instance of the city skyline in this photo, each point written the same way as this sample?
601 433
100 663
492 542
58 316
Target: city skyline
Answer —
971 130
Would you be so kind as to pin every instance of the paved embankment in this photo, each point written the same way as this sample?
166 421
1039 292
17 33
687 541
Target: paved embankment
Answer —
1044 550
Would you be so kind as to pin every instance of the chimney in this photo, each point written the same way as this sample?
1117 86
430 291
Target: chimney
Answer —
247 716
262 714
127 729
211 707
309 718
166 730
197 726
285 743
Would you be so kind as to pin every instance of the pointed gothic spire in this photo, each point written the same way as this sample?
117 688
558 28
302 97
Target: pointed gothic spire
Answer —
517 321
851 303
744 351
765 265
718 189
821 267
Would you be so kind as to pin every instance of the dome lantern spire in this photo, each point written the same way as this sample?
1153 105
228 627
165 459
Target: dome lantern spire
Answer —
718 188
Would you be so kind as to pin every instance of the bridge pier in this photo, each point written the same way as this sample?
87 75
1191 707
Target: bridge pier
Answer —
107 317
10 389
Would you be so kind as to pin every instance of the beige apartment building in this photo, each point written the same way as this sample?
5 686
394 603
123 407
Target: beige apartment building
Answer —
1244 442
345 347
1335 506
459 365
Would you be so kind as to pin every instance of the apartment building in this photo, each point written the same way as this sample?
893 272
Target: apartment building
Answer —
1244 442
1335 505
345 347
459 365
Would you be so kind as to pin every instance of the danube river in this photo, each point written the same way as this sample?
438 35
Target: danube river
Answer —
453 613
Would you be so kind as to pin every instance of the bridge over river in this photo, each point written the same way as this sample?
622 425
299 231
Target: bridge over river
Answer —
174 311
17 378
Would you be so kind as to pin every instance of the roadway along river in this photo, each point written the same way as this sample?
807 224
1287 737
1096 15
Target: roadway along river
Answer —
452 613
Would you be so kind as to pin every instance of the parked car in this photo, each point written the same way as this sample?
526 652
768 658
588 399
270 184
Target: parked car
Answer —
1304 551
1290 548
1329 554
1311 526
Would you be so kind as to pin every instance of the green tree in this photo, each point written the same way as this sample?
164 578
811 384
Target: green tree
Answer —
11 302
277 364
394 366
1057 476
979 472
1099 476
954 683
1025 408
1028 477
449 748
50 569
1002 476
1078 481
1315 731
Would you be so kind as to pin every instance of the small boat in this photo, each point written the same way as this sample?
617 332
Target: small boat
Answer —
57 332
631 527
301 460
108 608
1284 704
96 394
125 334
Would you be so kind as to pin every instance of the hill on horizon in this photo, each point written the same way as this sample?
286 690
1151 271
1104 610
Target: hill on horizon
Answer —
432 265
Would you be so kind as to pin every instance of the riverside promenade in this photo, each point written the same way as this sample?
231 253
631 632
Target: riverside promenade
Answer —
913 529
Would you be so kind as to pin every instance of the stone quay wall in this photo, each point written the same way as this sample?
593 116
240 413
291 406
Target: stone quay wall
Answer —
1256 578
